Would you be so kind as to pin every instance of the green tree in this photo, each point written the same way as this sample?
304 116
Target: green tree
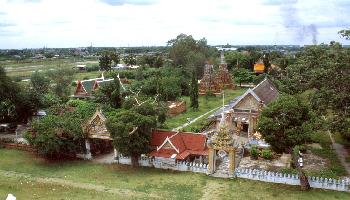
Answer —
17 103
345 33
242 75
115 58
59 134
194 91
62 79
110 93
131 131
130 59
188 52
40 83
105 62
237 59
287 122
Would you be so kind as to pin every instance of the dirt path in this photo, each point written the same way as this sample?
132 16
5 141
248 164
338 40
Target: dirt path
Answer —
341 153
104 159
213 191
194 120
85 186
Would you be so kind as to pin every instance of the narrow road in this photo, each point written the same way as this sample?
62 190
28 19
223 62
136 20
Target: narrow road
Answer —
194 120
341 153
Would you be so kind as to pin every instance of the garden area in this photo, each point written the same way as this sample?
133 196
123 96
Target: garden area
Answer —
29 177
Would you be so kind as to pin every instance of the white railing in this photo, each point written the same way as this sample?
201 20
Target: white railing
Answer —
178 166
292 179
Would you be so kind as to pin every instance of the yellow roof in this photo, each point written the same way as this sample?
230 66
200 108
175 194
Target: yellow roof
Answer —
259 67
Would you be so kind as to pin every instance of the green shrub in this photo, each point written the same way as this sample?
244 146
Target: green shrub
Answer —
266 154
16 78
74 84
92 68
254 152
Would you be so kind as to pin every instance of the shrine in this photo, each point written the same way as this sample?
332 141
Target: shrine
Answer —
215 82
222 151
223 76
97 135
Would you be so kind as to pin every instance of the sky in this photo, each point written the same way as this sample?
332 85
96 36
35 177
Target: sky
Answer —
118 23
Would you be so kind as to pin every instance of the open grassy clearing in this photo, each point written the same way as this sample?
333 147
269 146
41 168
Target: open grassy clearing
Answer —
25 68
161 183
205 104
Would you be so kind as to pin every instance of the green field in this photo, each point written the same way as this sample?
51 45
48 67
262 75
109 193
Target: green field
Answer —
29 177
26 67
205 104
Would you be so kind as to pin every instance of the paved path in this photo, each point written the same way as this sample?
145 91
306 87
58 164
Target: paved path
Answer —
85 186
341 153
195 119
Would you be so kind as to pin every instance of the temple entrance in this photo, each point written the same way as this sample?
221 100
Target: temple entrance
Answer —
98 139
222 161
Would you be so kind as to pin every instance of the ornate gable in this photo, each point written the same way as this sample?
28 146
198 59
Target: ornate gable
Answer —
80 90
96 127
248 102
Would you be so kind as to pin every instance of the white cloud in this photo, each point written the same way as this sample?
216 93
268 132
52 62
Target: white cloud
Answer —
68 23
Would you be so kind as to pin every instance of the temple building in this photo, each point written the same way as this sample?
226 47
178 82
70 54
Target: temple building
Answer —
178 146
209 82
223 76
216 82
241 113
259 67
86 88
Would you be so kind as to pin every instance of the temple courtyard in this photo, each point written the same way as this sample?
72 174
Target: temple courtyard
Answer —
30 177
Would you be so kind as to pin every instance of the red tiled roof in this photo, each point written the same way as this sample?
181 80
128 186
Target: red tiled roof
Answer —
186 143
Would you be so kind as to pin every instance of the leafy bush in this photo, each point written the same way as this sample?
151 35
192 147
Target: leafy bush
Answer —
57 136
266 154
74 84
92 68
254 152
16 78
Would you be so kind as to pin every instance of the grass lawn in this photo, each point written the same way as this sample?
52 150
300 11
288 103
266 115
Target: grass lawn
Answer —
85 180
204 106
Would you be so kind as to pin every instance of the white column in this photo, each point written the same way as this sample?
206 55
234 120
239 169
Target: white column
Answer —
116 157
88 155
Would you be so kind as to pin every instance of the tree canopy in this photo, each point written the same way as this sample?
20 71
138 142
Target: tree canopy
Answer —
131 130
285 123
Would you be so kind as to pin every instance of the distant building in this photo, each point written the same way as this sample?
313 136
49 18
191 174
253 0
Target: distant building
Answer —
215 82
259 67
80 67
85 88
